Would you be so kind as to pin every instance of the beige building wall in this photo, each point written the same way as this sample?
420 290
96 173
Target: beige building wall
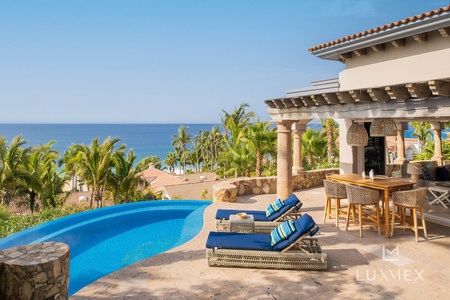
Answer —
413 62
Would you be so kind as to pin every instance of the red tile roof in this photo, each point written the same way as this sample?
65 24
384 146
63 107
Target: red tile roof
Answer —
380 28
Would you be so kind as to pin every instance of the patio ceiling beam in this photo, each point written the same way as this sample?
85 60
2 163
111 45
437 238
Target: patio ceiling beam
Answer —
319 99
378 94
308 101
419 90
439 87
331 98
398 92
345 97
360 96
439 108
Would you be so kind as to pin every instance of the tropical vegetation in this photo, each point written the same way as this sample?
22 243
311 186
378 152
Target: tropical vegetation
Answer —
38 177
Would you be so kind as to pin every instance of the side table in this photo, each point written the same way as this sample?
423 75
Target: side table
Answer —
242 225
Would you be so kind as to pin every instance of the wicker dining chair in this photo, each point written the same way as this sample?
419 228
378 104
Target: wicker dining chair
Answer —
368 203
337 191
412 200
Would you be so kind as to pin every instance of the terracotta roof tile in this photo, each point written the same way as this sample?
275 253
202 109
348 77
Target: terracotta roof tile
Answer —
380 28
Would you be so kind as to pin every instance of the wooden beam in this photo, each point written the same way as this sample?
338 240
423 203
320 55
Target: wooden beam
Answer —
345 56
308 101
287 103
378 94
345 97
270 103
419 90
421 37
278 103
445 32
360 52
398 92
439 87
378 48
398 43
298 102
360 96
319 100
331 98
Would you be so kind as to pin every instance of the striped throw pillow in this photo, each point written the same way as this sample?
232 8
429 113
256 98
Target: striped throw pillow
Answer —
282 232
274 207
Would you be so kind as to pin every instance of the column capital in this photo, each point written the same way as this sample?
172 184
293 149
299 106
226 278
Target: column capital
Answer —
284 126
436 126
299 127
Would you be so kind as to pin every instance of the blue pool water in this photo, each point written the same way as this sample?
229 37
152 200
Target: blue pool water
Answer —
104 240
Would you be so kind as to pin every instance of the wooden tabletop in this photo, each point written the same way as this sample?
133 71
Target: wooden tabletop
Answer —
377 183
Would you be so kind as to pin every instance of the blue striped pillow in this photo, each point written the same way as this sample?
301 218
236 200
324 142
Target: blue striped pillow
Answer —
274 207
282 232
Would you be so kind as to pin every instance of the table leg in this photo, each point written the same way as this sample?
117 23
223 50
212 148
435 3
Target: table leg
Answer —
386 213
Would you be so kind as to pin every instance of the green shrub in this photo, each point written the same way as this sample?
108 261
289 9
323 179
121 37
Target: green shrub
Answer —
17 223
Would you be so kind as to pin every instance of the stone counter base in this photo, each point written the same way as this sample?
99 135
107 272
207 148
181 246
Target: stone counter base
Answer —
37 271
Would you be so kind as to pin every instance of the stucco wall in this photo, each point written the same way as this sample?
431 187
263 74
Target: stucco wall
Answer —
413 62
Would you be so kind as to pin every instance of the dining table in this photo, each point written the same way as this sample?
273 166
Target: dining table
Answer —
384 184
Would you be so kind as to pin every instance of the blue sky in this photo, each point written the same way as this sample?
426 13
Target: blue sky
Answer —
137 61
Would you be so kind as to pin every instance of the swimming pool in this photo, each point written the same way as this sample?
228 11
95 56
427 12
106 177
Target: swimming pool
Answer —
104 240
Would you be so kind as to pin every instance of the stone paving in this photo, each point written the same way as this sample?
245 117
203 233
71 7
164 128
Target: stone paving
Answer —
371 267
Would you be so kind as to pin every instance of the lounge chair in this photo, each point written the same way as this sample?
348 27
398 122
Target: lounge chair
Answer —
263 224
253 250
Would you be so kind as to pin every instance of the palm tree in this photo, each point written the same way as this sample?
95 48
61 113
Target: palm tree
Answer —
261 139
123 181
171 161
94 164
146 161
329 126
12 171
41 168
314 146
422 130
182 140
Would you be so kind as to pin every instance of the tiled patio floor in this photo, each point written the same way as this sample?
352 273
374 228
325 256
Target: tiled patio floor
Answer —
357 267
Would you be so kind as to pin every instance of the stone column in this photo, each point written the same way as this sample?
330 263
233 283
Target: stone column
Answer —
436 127
284 159
298 129
401 127
36 271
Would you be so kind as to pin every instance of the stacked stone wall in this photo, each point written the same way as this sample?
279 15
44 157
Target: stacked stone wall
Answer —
227 191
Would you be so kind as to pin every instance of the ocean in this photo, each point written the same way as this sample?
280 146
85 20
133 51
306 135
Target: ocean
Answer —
144 139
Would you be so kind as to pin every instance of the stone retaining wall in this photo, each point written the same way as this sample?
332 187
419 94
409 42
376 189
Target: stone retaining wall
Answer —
227 191
37 271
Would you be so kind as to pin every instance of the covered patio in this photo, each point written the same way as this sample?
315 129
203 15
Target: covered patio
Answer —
399 71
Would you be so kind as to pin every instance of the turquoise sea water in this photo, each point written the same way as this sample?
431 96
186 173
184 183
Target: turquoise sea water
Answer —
145 139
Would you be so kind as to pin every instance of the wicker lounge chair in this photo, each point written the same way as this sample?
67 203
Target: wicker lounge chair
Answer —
253 250
263 224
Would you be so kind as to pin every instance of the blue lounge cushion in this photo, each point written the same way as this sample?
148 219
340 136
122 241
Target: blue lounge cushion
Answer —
255 241
442 174
259 215
289 203
274 207
282 232
304 225
241 241
224 214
